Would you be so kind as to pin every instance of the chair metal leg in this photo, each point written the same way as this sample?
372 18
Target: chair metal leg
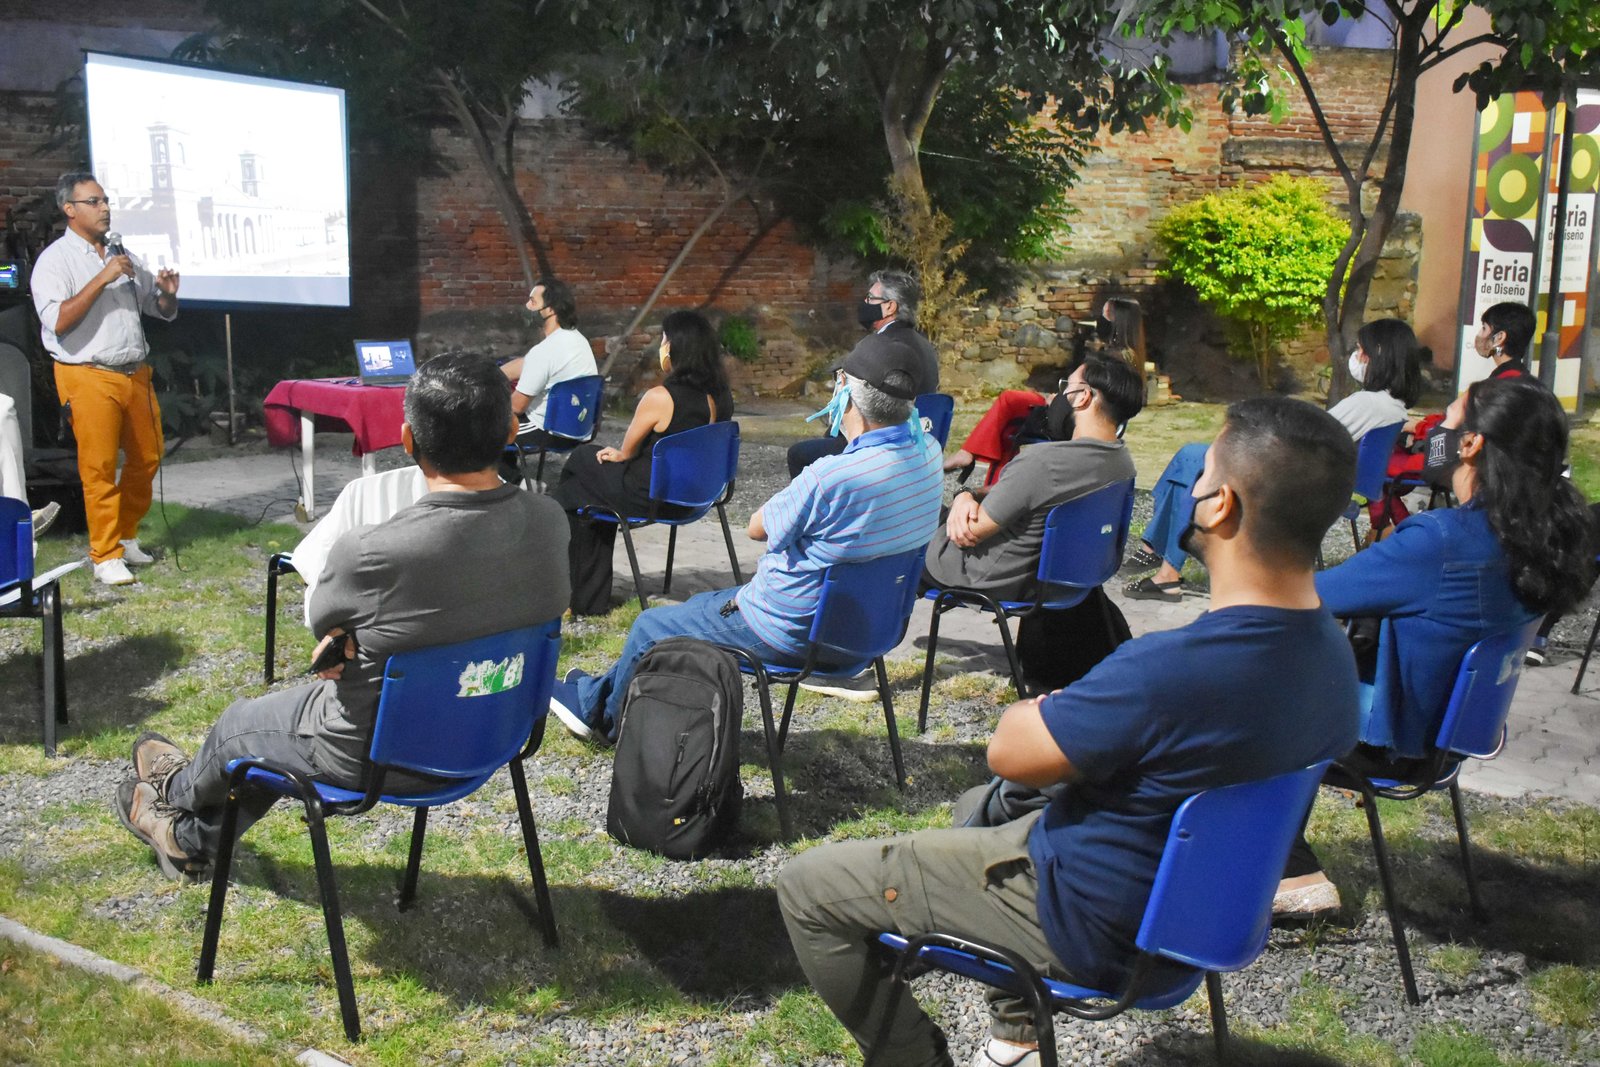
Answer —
408 885
672 548
1219 1015
538 478
1380 852
530 841
50 710
270 649
1588 650
927 669
55 609
888 718
1002 620
1478 911
727 537
788 714
333 919
1355 535
220 866
780 798
633 563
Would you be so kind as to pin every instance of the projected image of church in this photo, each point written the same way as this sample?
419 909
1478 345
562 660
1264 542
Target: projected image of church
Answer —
195 210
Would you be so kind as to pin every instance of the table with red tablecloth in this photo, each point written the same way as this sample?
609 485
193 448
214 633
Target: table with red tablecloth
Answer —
372 412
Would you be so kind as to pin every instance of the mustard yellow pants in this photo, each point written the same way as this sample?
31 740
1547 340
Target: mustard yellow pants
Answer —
113 412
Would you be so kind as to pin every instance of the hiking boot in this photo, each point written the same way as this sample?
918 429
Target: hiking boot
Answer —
156 760
150 819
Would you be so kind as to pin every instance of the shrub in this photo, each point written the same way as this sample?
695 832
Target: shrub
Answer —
738 337
1259 257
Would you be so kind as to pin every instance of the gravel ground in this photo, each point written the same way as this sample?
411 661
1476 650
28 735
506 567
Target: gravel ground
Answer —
837 774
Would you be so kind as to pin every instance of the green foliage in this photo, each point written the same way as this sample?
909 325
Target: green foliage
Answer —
1258 256
738 337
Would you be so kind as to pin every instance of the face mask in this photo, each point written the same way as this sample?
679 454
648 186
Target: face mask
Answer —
1060 418
1186 543
868 314
1358 366
834 409
663 358
1442 457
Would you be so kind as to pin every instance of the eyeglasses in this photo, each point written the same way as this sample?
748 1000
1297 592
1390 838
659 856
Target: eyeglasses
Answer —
93 201
869 298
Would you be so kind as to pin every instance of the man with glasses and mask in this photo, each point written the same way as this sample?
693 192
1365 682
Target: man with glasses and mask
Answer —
89 293
562 353
1262 684
889 309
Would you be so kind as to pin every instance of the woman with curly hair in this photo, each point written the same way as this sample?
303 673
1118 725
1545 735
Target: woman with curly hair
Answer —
1520 544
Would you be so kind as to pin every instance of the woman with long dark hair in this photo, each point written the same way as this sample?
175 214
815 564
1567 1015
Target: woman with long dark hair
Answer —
1519 545
693 393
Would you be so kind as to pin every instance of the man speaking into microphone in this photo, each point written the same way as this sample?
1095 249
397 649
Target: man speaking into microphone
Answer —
89 293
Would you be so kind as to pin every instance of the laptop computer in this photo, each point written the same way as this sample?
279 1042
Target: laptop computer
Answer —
385 362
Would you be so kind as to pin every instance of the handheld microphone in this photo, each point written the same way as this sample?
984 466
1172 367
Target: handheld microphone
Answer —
114 244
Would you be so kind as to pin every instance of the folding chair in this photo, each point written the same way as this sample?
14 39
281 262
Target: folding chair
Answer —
1210 908
459 711
692 469
1474 726
937 410
1372 468
365 501
24 596
1083 542
572 413
861 614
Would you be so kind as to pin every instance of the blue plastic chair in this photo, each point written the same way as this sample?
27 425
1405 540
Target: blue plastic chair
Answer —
937 410
861 614
23 598
693 469
1209 909
460 712
1372 469
572 413
1083 542
1474 726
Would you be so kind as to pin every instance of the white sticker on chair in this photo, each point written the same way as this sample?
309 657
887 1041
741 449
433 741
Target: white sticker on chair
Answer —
490 676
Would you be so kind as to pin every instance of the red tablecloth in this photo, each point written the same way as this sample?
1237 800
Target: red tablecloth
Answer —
373 412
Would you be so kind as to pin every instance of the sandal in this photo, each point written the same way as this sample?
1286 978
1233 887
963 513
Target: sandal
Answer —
1142 560
1150 589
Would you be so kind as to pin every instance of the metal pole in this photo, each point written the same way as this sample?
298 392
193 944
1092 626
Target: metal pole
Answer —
227 329
1550 346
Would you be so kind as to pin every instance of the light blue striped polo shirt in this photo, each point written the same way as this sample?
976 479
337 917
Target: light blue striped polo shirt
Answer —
880 496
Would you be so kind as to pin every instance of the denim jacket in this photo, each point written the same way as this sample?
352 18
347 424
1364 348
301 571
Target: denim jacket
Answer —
1439 584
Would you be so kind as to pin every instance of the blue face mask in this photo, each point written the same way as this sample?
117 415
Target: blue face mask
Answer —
834 410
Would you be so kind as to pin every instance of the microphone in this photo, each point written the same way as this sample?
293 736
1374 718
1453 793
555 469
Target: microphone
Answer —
114 244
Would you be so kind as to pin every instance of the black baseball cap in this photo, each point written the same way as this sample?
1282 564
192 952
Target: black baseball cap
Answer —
875 360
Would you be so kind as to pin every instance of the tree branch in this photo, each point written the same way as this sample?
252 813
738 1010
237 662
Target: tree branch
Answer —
1286 50
1482 38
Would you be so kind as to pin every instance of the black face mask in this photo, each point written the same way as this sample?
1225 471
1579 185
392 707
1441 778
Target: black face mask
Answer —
1060 418
868 314
1442 456
1186 543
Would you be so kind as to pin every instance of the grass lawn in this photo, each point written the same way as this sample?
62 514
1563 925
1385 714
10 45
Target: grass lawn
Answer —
655 956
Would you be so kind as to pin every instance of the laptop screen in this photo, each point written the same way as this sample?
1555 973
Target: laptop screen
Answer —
384 361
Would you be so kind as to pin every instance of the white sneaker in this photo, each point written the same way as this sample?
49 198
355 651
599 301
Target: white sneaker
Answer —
132 553
113 572
999 1053
564 706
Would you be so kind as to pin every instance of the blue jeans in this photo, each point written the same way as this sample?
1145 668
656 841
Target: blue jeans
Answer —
700 616
1174 503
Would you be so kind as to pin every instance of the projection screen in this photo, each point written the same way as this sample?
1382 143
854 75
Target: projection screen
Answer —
240 183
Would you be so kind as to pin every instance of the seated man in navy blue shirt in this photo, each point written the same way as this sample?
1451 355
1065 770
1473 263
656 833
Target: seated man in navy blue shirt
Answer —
1262 684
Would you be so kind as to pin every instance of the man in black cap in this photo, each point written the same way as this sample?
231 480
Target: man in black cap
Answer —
889 310
878 497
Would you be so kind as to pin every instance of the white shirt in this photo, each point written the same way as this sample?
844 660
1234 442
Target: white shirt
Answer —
1367 410
110 332
563 355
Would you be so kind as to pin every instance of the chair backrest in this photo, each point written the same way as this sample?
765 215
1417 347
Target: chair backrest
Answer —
572 407
1372 459
938 409
16 542
864 605
693 467
1084 538
465 709
1211 906
1476 715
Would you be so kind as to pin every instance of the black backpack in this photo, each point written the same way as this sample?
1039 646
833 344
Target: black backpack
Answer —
675 777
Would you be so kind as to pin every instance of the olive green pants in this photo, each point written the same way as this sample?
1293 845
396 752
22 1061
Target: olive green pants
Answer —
976 883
